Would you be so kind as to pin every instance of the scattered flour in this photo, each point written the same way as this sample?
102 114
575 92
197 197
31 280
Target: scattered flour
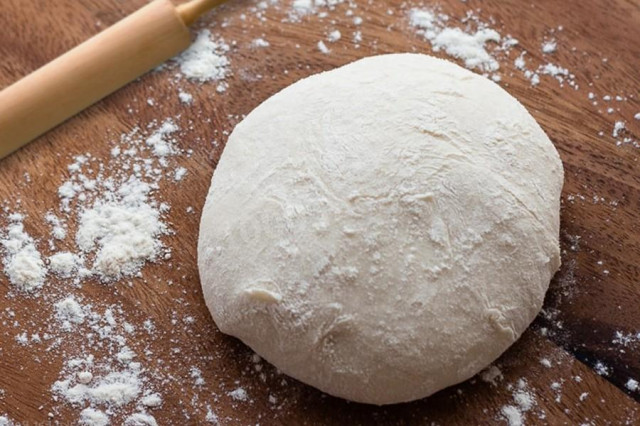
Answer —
555 71
618 127
205 60
118 225
308 7
122 229
185 98
116 388
108 202
211 417
469 46
259 42
303 6
119 229
334 36
239 394
625 339
323 47
140 419
58 230
524 401
549 46
161 141
68 312
601 369
196 374
22 339
152 400
179 173
22 261
103 385
512 415
64 263
92 417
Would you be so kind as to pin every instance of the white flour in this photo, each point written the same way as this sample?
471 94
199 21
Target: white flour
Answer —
152 400
92 417
58 230
481 47
22 261
117 227
103 385
323 47
206 59
161 140
185 98
68 312
471 47
468 47
523 400
64 263
122 230
602 369
549 46
140 419
239 394
307 7
259 42
334 36
119 222
116 388
179 173
618 127
512 415
626 339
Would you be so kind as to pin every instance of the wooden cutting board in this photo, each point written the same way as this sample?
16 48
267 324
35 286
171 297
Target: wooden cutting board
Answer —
595 294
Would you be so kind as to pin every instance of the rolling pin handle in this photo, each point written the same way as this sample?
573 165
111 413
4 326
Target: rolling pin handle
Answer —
192 10
94 69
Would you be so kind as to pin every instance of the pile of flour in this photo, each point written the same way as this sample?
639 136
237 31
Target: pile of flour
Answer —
119 222
205 60
22 262
467 46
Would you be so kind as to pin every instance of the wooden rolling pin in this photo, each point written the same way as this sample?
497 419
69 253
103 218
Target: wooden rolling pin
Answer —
94 69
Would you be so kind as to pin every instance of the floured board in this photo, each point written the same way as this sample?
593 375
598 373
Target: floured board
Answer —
572 366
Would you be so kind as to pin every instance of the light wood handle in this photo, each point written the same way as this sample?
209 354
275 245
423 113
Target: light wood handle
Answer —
89 72
192 10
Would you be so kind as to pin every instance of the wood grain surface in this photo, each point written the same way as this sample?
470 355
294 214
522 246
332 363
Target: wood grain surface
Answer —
593 296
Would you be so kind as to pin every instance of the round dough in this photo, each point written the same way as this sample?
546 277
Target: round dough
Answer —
383 230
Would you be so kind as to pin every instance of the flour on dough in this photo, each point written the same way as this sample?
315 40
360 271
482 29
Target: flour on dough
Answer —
383 230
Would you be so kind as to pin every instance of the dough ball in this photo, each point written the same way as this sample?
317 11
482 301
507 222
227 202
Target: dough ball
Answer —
383 230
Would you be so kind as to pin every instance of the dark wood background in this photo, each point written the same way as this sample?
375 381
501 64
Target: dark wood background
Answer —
588 302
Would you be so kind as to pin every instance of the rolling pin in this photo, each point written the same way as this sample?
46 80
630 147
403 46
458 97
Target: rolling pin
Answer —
94 69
